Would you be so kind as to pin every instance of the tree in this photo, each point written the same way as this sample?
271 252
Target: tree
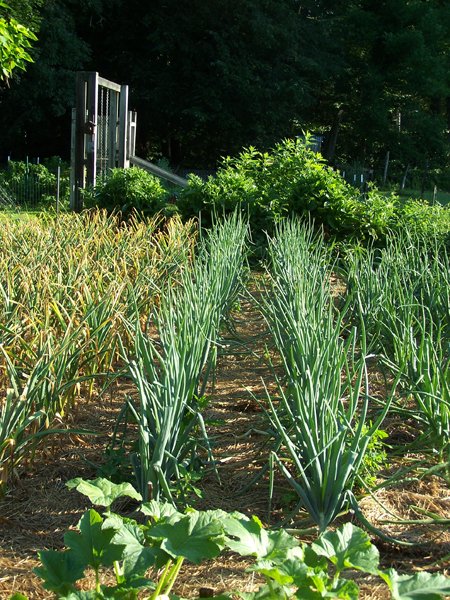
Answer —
15 41
209 77
395 79
35 112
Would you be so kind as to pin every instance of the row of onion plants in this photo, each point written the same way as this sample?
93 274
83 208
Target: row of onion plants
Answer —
403 293
174 357
322 412
68 290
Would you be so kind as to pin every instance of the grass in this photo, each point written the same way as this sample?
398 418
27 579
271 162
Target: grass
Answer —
441 196
17 214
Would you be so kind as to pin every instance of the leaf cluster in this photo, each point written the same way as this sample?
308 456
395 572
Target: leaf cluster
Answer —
167 538
128 190
15 42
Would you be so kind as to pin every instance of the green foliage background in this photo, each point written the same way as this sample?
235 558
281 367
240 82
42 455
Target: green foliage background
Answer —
293 179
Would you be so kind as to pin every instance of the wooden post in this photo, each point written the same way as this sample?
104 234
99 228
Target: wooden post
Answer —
72 160
132 125
58 184
124 163
404 177
79 145
91 128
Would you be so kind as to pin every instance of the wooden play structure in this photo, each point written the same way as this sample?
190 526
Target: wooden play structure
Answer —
104 135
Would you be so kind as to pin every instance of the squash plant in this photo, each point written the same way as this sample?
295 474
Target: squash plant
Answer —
168 538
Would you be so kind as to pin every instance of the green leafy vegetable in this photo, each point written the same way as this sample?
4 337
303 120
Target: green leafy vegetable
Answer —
60 569
428 586
248 538
102 492
348 548
197 536
93 543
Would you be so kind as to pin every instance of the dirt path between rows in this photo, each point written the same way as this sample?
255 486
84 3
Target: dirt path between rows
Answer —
39 509
37 512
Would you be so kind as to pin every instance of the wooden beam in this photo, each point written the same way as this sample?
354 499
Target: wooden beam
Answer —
123 127
116 87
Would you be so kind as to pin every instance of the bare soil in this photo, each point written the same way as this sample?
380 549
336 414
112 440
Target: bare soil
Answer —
39 509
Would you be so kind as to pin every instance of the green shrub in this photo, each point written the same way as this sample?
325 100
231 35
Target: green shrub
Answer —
126 190
293 179
422 218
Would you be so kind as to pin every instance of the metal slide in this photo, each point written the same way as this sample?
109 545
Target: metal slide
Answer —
154 170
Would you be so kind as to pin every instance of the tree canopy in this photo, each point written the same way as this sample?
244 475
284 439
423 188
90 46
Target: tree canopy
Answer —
15 40
208 78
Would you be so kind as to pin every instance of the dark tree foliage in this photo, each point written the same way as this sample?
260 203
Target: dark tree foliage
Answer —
26 12
35 111
393 88
208 78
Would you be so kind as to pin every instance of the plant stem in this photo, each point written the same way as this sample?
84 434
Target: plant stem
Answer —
162 580
118 572
174 574
97 582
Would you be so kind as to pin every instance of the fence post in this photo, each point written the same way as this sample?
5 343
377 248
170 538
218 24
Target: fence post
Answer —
91 127
58 187
79 166
73 189
85 144
386 167
131 141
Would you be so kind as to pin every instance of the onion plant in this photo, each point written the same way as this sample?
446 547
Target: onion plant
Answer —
429 374
402 292
392 287
171 370
321 413
18 423
65 286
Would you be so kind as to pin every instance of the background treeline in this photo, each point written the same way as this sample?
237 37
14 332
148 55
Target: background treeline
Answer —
208 78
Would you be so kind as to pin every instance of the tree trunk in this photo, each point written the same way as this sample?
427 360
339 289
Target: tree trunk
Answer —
332 140
404 177
386 167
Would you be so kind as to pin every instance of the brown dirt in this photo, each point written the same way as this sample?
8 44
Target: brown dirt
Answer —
39 509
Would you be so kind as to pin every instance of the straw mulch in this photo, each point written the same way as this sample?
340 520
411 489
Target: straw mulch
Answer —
39 509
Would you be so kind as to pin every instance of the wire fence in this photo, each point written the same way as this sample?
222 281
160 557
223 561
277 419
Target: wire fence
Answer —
26 184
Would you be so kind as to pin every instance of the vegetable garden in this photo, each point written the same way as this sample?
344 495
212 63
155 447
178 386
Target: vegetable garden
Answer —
344 350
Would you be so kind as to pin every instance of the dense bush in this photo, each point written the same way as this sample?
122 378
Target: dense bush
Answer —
293 179
268 186
131 189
